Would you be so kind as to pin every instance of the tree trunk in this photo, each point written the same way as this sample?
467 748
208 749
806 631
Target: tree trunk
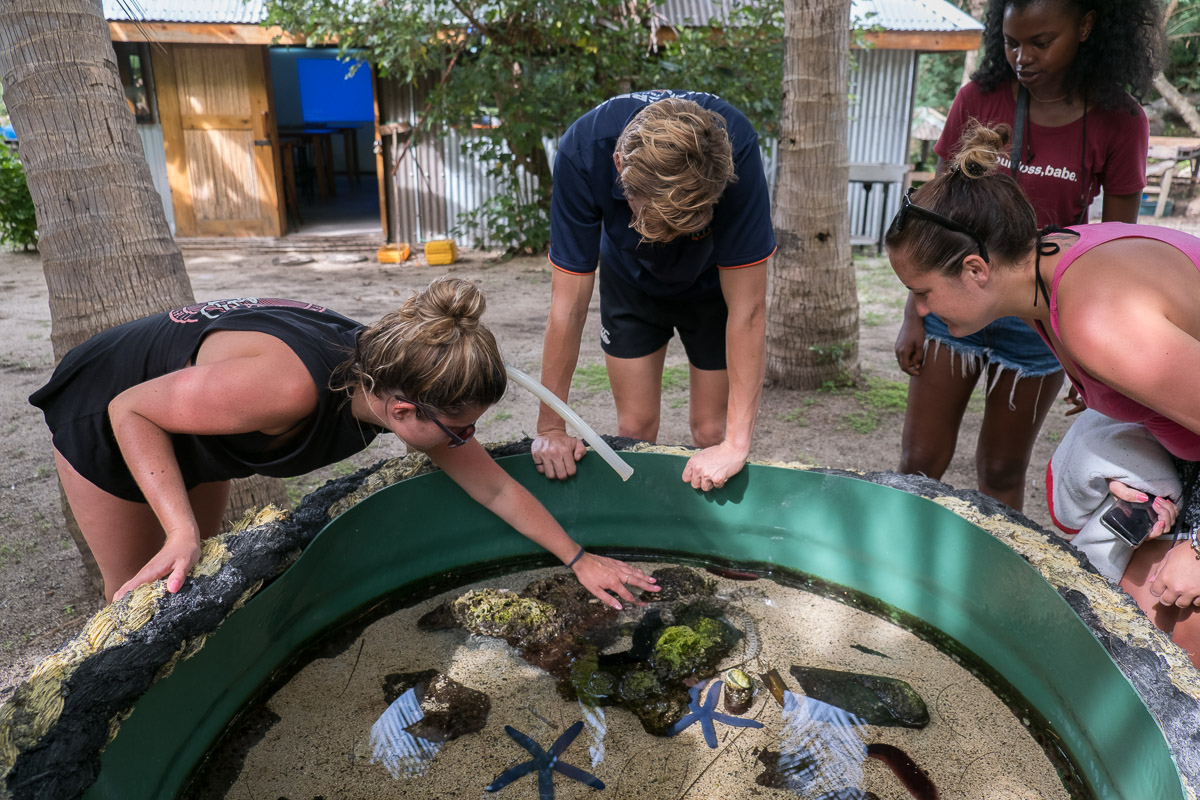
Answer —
812 323
1178 102
975 9
107 251
106 248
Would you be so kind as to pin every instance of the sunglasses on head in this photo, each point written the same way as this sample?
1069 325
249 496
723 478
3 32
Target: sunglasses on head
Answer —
907 206
457 439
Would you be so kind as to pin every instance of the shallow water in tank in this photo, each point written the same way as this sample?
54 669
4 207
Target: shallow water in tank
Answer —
336 729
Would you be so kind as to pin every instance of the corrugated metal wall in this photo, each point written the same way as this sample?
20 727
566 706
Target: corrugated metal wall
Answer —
436 184
881 92
156 157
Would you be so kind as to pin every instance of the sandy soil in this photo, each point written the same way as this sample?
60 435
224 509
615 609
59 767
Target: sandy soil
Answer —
43 595
318 748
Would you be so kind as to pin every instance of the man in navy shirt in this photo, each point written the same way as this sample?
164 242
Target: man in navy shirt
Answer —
664 193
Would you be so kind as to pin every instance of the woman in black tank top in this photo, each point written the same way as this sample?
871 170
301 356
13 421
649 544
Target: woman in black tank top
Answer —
152 419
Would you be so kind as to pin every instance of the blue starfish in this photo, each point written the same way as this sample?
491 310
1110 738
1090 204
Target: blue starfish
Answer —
706 715
545 763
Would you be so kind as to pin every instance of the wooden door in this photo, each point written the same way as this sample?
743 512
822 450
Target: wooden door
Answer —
220 139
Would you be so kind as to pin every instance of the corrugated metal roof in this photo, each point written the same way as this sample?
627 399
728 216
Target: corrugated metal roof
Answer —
248 12
913 15
890 15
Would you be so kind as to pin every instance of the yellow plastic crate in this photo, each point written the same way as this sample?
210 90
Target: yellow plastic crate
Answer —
393 253
439 252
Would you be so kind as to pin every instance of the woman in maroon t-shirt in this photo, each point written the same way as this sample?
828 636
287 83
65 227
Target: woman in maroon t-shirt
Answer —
1082 132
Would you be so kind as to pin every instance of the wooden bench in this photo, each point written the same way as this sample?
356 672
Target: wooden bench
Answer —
868 175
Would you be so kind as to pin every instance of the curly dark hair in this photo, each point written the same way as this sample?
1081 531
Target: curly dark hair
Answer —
1123 53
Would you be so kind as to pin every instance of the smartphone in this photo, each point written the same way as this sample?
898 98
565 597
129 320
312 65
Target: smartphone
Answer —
1130 522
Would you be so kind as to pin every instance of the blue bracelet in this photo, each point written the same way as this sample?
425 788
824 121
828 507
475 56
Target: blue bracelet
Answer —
578 556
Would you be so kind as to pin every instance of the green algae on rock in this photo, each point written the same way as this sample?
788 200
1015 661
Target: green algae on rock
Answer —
556 625
682 650
507 615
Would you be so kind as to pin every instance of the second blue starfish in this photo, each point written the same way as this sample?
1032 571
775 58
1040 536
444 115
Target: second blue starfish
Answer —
706 714
546 763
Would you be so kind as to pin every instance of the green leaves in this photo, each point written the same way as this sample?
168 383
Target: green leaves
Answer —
18 222
524 70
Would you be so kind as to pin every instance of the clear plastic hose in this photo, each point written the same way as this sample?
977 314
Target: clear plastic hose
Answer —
563 410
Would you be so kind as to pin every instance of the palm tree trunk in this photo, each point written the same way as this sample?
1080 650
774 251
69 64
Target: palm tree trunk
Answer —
1178 102
975 8
812 328
106 248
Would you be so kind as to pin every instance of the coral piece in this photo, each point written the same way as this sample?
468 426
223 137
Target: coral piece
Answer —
678 582
508 615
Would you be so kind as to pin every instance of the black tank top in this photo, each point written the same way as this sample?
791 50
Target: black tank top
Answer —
75 400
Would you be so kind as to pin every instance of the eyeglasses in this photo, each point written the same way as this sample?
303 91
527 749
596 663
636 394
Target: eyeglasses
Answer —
457 439
907 206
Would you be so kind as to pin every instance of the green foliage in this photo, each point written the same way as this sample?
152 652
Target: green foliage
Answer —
591 378
676 378
741 60
796 416
864 421
18 222
835 354
938 77
516 72
883 394
594 378
1182 69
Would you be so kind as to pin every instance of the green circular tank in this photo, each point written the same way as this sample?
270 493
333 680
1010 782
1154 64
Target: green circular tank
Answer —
903 550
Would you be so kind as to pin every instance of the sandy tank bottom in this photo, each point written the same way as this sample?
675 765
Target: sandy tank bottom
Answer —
974 747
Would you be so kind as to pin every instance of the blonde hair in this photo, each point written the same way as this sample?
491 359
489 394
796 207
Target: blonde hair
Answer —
977 194
433 350
675 155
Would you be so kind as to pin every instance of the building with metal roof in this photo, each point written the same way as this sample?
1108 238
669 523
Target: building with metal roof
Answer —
235 12
426 197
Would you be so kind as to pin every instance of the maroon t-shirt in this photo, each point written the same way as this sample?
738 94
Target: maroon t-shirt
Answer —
1117 142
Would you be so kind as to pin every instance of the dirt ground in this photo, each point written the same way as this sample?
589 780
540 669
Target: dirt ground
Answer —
43 596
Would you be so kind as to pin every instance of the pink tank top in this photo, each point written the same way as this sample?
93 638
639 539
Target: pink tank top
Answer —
1178 440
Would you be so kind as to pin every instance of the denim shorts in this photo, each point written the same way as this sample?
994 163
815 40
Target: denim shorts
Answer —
1007 343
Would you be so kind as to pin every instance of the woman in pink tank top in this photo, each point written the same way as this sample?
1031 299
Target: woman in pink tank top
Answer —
967 246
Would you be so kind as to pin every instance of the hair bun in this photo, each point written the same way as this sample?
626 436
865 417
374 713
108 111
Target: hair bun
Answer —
446 309
980 147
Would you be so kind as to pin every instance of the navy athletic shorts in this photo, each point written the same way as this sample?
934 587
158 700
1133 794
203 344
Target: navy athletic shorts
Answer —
635 324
